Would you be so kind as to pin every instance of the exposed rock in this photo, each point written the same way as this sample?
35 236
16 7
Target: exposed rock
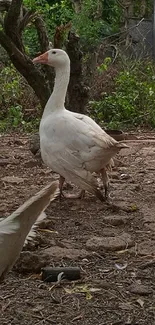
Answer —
117 162
35 143
147 151
132 150
102 284
110 231
30 262
3 208
4 162
140 289
68 243
110 243
124 206
150 226
31 163
117 220
146 248
19 142
148 215
57 252
12 179
114 175
125 305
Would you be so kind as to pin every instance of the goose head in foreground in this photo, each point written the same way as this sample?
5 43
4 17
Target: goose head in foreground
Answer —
72 144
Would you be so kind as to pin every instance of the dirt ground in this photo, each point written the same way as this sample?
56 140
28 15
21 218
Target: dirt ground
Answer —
113 244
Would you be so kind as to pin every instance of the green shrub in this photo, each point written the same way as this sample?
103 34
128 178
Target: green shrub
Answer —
93 22
15 98
54 13
133 102
9 85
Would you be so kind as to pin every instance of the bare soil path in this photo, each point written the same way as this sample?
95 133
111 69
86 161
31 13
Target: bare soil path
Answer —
113 244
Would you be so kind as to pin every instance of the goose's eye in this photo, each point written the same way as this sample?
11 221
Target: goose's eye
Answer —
54 52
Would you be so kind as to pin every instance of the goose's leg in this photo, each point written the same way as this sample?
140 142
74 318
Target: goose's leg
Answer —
105 179
79 195
61 182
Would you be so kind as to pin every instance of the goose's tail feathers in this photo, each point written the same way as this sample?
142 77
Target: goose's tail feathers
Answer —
87 182
122 145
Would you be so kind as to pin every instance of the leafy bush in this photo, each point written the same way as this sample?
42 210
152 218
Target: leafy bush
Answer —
10 89
132 102
16 98
54 14
93 22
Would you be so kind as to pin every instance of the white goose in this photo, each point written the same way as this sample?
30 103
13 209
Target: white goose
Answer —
19 228
72 144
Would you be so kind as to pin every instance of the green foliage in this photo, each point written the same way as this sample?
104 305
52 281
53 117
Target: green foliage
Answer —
15 116
30 38
148 11
112 13
11 110
104 66
93 24
132 103
15 120
54 14
10 89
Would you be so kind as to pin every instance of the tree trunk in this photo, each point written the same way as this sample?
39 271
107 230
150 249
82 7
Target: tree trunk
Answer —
78 93
15 21
27 69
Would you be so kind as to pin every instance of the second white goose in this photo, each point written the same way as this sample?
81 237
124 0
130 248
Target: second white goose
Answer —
72 144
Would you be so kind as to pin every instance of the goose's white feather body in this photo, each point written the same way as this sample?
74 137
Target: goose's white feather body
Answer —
72 144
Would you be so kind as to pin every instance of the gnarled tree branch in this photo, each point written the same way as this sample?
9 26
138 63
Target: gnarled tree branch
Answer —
14 13
27 18
4 5
25 66
44 46
12 21
11 39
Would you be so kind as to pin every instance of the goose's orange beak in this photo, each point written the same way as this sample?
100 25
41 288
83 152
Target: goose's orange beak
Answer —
43 58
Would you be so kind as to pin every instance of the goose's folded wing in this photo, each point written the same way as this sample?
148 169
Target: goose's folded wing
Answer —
100 134
74 149
88 120
80 145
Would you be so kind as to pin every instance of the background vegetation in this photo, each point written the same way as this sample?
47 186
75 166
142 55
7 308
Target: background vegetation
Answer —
127 100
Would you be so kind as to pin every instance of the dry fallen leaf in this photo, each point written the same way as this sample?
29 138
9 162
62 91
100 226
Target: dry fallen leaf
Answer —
82 289
121 266
140 302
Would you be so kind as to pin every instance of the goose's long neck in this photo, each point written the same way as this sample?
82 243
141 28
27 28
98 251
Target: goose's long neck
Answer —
57 98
